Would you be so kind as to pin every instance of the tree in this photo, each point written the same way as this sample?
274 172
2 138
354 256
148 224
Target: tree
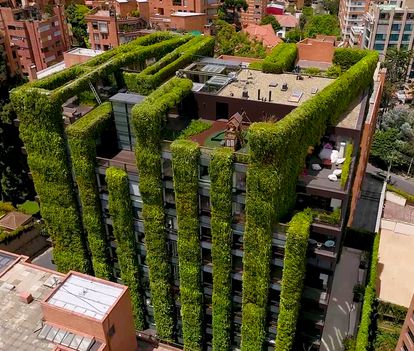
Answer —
75 15
332 6
396 62
322 24
394 142
234 6
230 42
269 19
294 35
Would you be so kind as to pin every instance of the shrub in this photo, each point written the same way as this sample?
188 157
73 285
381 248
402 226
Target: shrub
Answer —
363 336
155 74
6 237
120 208
196 126
294 266
313 71
148 119
256 66
221 175
347 165
347 57
29 207
6 207
185 155
281 59
81 136
333 71
404 194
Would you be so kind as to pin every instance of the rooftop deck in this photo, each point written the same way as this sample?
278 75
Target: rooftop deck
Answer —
251 81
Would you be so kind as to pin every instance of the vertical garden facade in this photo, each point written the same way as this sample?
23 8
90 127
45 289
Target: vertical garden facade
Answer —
193 232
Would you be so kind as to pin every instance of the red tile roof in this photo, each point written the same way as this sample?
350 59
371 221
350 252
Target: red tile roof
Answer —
288 21
14 220
264 33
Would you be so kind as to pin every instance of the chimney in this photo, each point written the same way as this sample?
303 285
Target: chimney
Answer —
270 95
258 94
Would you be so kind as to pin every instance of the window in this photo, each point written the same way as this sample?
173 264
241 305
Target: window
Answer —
104 36
408 28
96 37
379 47
394 37
161 11
95 25
398 16
396 27
204 205
204 175
111 331
411 335
380 37
404 348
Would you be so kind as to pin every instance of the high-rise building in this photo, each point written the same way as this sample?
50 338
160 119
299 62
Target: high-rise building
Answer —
351 13
389 26
206 221
34 38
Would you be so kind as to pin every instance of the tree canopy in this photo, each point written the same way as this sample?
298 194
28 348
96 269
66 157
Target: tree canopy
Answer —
269 19
396 62
75 14
229 10
394 141
230 42
322 24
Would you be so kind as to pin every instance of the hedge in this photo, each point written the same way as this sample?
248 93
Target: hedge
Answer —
294 266
281 59
185 156
155 74
41 130
347 165
120 208
148 119
404 194
60 78
275 163
221 176
139 55
347 57
6 237
363 336
82 136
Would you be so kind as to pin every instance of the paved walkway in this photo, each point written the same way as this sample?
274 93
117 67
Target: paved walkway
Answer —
341 313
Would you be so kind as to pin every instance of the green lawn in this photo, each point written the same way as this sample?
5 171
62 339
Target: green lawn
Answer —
29 207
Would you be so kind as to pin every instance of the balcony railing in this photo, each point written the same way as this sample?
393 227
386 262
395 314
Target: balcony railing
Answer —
106 163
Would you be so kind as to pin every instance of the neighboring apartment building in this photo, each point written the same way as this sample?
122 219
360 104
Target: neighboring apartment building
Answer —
255 12
406 341
390 26
230 98
108 28
34 39
351 13
45 310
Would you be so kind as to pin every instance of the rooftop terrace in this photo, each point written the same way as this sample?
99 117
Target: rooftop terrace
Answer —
296 93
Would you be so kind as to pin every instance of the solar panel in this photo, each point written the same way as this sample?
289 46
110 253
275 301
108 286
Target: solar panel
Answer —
218 80
66 338
5 261
296 96
213 69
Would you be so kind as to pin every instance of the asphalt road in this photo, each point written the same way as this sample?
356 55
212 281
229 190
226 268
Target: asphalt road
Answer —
396 180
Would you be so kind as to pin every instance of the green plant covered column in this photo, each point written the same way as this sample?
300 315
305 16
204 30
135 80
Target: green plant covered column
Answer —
362 340
120 208
294 266
81 136
221 176
281 59
41 130
185 155
148 119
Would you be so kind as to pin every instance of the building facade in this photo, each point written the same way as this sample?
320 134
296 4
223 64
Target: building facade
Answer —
390 26
351 13
406 341
34 40
166 215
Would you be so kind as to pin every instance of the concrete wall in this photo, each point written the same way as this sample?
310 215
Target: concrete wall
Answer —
189 23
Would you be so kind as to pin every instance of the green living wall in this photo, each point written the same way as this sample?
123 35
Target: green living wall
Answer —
363 336
275 163
148 118
294 266
185 155
82 137
120 208
221 176
41 130
152 76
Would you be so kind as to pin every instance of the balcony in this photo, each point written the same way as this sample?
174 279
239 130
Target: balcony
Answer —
124 159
